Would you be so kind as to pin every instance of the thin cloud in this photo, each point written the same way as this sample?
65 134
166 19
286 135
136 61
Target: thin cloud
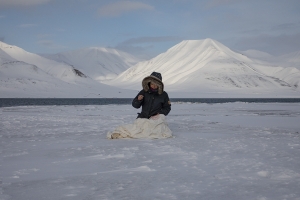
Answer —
61 30
215 3
138 51
144 40
122 7
51 44
17 3
27 25
142 46
286 26
43 36
2 16
276 45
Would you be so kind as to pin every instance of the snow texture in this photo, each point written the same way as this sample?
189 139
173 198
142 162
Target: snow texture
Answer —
233 151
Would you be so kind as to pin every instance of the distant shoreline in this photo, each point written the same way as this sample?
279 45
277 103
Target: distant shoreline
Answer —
10 102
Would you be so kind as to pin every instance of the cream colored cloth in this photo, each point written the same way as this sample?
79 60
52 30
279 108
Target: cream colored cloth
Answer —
153 128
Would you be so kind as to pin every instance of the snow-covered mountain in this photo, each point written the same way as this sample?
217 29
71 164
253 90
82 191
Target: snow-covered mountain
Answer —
293 59
287 60
97 63
192 68
64 72
260 55
24 74
208 68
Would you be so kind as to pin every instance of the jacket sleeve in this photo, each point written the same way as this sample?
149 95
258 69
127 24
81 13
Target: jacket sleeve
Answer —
135 102
166 107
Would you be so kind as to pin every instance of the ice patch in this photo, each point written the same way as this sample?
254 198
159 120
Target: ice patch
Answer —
137 169
148 161
100 156
263 174
71 195
262 198
286 175
15 154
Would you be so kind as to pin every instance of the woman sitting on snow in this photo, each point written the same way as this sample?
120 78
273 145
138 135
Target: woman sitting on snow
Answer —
150 123
153 99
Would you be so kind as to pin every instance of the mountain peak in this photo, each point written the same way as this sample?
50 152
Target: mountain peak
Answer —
204 42
6 46
204 65
205 49
207 44
99 63
102 49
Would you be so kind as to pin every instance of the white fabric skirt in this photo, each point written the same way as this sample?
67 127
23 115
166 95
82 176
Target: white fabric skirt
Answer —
154 128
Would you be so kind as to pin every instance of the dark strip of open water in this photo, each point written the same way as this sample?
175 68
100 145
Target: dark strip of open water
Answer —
8 102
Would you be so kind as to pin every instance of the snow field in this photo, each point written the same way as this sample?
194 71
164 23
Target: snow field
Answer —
219 151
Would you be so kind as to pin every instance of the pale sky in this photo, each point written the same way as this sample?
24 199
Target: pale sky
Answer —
147 28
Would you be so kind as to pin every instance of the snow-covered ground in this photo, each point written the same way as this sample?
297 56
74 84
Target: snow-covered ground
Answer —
233 151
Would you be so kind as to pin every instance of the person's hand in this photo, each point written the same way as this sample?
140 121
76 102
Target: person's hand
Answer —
140 97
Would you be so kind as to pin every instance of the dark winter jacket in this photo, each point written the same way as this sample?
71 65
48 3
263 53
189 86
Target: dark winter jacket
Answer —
154 102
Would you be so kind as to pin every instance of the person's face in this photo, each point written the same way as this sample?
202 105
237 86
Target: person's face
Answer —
153 86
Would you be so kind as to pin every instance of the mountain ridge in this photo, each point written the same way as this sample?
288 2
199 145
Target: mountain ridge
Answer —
192 68
24 74
61 71
99 63
195 65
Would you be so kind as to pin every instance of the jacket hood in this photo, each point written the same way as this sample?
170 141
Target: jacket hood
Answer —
154 79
